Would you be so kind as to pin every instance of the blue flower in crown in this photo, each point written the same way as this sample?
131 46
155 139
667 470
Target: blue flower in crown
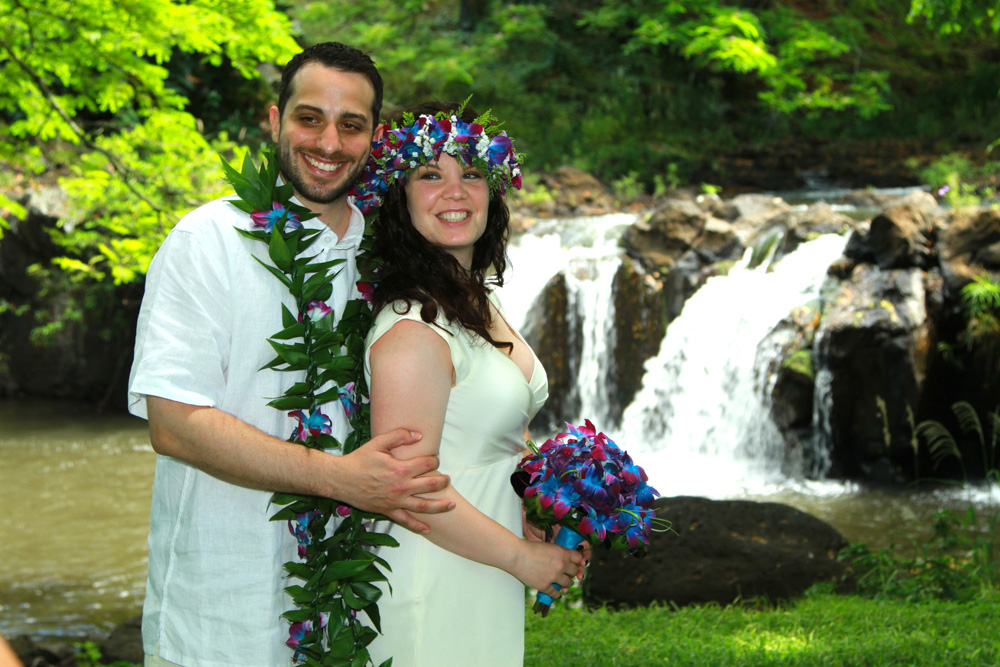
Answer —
423 141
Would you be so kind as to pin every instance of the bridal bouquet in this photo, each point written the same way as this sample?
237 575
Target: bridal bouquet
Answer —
583 482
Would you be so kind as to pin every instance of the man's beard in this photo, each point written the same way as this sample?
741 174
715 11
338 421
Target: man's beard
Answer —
321 194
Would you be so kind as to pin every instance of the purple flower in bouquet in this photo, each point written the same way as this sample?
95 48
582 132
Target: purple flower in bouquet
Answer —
310 425
582 480
268 219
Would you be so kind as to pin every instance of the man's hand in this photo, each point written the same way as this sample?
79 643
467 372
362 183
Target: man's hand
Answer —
382 483
370 477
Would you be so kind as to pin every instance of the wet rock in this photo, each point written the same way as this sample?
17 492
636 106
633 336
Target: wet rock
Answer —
721 551
971 242
124 643
575 193
800 226
903 235
639 326
558 346
658 240
872 344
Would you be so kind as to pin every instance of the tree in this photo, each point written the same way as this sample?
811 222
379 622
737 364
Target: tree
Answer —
955 16
73 72
85 86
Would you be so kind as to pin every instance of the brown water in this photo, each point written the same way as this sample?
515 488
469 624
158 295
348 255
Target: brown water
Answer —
74 512
74 509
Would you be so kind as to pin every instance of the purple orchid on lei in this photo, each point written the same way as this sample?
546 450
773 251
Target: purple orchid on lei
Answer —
268 219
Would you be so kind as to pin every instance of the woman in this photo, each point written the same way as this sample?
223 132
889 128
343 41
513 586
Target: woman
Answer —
444 361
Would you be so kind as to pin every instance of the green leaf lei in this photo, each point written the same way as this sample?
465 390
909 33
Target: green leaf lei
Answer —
338 570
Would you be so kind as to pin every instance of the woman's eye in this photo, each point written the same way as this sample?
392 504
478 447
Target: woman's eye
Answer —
475 175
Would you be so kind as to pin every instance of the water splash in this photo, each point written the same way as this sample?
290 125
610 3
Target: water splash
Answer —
700 423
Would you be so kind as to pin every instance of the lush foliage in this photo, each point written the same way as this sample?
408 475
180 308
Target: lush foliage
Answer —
73 71
338 570
610 86
88 85
962 558
821 629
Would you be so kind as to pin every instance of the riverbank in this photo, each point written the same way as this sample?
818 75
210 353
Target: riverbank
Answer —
821 629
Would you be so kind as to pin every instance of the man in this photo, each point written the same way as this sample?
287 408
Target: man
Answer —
215 588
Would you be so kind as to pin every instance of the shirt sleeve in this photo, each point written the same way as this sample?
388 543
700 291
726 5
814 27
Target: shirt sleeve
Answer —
184 328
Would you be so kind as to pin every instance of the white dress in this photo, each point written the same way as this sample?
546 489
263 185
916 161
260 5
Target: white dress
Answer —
445 610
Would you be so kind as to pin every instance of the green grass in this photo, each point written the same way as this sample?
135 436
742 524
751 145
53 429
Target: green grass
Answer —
822 629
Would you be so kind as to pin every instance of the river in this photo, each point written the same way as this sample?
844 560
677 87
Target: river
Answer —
75 485
75 492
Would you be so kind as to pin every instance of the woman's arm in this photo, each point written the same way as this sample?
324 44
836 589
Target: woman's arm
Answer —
411 379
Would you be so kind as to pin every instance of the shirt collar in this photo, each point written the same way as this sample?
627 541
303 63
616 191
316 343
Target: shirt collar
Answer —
355 226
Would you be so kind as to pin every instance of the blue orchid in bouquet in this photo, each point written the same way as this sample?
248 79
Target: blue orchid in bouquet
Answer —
582 481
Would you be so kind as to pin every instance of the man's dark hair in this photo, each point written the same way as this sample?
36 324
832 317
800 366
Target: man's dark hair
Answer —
338 56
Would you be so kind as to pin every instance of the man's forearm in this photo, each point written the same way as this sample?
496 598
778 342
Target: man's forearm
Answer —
234 451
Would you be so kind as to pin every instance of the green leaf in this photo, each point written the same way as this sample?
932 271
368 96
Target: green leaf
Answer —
287 319
343 569
278 251
297 615
352 600
291 403
278 273
374 616
296 330
291 354
298 389
366 591
378 539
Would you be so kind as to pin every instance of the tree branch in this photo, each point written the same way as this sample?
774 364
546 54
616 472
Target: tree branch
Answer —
120 169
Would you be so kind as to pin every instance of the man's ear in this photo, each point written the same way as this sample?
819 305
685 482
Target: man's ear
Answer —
275 118
379 131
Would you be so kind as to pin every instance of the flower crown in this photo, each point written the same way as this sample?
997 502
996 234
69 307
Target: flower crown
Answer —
421 141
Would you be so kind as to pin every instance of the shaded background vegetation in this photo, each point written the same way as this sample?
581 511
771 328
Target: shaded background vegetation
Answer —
128 105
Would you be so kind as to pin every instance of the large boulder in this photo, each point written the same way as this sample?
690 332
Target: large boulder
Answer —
871 348
903 235
720 551
575 193
124 644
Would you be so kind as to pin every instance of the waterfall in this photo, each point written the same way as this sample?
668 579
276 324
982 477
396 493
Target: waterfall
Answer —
699 424
587 252
700 421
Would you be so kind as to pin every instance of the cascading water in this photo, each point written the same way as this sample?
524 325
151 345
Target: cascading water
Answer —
700 421
586 250
699 424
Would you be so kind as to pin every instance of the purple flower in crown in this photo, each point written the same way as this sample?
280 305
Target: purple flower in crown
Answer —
500 149
268 219
346 396
310 425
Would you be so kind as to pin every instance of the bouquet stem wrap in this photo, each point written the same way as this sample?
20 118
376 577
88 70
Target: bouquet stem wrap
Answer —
570 539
